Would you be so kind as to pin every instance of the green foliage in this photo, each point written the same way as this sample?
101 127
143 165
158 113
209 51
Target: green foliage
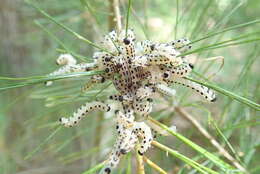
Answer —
29 136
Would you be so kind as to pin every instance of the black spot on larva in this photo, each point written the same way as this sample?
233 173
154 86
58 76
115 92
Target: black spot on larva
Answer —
60 119
165 75
116 111
120 98
107 70
150 99
123 151
126 41
191 66
152 47
214 99
107 59
108 170
140 153
108 108
103 80
118 65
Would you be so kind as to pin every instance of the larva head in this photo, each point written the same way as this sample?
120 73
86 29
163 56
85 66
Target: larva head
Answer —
107 170
126 40
167 51
182 42
66 59
144 47
109 41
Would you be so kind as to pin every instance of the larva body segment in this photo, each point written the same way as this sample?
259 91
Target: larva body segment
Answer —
177 72
165 90
143 107
145 135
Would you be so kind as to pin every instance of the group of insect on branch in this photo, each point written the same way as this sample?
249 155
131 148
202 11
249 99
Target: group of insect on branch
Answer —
138 70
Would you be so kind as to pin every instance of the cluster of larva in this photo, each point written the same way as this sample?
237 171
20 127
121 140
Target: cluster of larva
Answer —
138 71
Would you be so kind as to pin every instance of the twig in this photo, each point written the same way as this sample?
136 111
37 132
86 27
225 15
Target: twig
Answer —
176 19
154 166
214 142
215 159
194 164
115 18
140 163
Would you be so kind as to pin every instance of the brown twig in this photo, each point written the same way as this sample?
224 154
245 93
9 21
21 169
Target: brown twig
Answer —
214 142
115 18
154 166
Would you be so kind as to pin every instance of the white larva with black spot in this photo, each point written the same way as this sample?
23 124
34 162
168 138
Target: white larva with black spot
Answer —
207 93
145 134
70 65
82 112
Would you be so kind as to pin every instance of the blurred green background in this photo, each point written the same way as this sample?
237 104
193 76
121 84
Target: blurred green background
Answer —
27 114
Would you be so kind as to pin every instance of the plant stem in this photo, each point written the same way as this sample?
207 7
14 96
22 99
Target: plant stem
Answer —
95 168
41 79
140 163
127 17
114 8
154 166
65 27
176 19
207 154
187 160
213 141
227 29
